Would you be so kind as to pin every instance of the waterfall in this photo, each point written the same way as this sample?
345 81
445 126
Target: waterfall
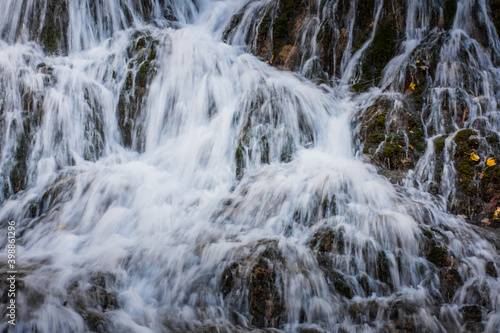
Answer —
187 166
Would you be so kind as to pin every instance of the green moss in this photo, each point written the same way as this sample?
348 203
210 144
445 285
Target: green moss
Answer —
465 174
417 139
439 144
141 43
51 39
384 42
392 150
380 120
438 255
462 137
282 25
491 177
361 87
264 26
142 74
427 233
417 95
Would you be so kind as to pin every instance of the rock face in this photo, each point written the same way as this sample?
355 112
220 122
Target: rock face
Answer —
142 56
260 277
428 80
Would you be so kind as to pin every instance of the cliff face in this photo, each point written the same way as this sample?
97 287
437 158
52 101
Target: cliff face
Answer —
427 78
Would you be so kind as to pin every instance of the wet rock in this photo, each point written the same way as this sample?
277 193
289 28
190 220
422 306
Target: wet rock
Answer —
491 270
228 278
92 301
438 255
54 33
392 136
239 156
265 294
449 10
451 281
380 51
383 269
472 316
142 55
478 191
339 282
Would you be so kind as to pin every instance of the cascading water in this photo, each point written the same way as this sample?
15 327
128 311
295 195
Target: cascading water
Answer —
162 180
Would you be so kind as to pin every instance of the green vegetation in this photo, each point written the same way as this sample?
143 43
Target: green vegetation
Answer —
439 144
384 42
282 28
51 39
142 75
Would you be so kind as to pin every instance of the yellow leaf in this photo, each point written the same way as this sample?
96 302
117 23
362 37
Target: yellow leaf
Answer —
412 86
496 212
474 157
490 162
60 227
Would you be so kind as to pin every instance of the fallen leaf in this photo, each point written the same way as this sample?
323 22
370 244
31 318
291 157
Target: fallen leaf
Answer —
474 157
486 221
490 162
60 227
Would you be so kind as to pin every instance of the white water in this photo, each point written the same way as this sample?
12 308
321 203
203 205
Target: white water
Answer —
162 225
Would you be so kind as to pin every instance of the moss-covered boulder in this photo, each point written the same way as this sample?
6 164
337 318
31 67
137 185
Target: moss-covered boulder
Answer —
392 136
142 60
54 34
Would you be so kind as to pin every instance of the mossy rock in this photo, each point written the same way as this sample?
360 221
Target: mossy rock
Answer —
490 183
239 156
329 206
451 281
491 269
284 23
381 51
339 283
462 137
438 255
228 278
439 144
142 75
53 36
323 241
383 267
265 302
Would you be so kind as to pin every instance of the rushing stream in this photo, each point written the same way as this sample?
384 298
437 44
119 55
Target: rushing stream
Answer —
164 179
